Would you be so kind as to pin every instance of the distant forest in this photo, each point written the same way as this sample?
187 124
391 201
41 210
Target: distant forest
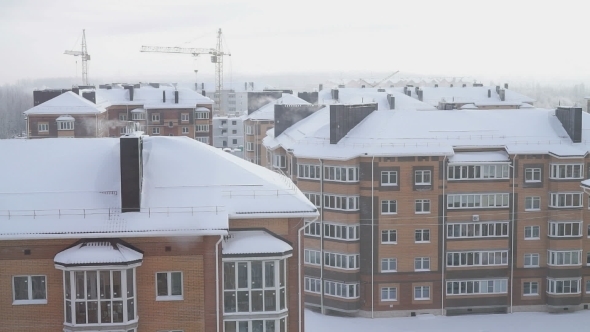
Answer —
17 98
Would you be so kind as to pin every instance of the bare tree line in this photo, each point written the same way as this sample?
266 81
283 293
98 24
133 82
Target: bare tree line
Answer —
14 100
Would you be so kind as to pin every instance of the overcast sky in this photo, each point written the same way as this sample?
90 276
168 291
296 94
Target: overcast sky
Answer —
518 38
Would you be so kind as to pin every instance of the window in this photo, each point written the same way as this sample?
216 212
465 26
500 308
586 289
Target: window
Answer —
234 141
223 131
313 285
256 325
565 228
388 294
202 128
185 130
338 289
341 261
422 264
478 172
564 258
100 296
123 130
223 122
532 203
316 199
43 127
530 288
567 171
122 116
312 257
588 258
389 178
203 139
563 286
532 175
201 115
389 207
388 236
234 122
531 260
422 293
314 229
468 287
566 200
184 117
422 235
234 131
137 116
65 125
29 290
477 258
155 117
168 286
249 130
588 286
422 206
308 171
254 286
389 265
475 201
422 177
341 232
531 232
279 161
156 131
341 174
249 146
478 230
346 203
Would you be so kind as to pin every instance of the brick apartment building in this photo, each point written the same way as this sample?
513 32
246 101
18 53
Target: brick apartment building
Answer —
444 211
146 234
157 109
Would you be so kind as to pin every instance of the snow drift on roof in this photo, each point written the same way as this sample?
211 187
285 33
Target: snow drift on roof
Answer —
98 252
66 103
254 242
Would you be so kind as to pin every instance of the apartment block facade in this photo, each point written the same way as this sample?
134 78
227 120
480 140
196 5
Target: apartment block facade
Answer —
414 220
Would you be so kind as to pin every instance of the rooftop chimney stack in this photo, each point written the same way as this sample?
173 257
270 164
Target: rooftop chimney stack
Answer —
335 94
176 96
130 151
391 101
345 117
130 88
506 86
571 120
321 87
502 95
489 93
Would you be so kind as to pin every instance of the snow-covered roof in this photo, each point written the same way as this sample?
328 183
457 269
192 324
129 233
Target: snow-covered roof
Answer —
65 118
138 110
98 252
203 109
188 187
471 95
66 103
254 242
440 132
479 157
151 97
267 112
373 95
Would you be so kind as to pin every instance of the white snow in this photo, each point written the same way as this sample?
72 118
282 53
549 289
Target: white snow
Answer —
516 322
372 95
64 118
267 112
66 103
479 157
471 95
148 95
254 242
97 252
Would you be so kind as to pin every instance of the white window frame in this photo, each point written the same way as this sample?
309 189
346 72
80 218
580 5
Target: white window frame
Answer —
314 198
43 127
533 288
529 232
421 293
308 171
390 265
312 257
65 125
341 290
122 130
478 172
155 130
184 117
279 161
566 283
532 203
478 201
531 260
202 128
421 234
566 171
421 264
388 291
341 173
390 178
473 287
477 258
249 130
341 231
560 200
250 146
313 285
201 115
564 257
422 206
313 229
560 229
390 234
185 130
532 175
155 117
170 297
422 177
389 206
137 116
202 139
122 116
342 261
486 229
30 299
340 202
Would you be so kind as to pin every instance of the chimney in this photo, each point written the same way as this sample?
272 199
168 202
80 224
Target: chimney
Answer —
489 93
451 85
203 86
506 86
497 89
502 95
335 94
164 96
204 93
76 90
196 86
405 90
345 117
130 88
89 95
288 115
321 87
245 86
176 96
571 120
362 86
391 101
420 95
464 85
130 151
252 86
436 85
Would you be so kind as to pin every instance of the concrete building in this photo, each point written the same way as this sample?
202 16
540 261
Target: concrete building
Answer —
146 234
228 132
231 102
441 211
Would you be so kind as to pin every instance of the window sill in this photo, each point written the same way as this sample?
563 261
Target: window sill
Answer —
422 184
29 302
388 213
535 181
388 300
531 267
423 270
421 241
388 185
530 295
389 271
170 298
532 238
388 242
428 212
424 299
532 210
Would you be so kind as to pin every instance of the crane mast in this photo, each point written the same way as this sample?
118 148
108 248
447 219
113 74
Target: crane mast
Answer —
85 57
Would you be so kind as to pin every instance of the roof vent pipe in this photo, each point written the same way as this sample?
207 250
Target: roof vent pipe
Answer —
176 97
489 93
505 85
164 96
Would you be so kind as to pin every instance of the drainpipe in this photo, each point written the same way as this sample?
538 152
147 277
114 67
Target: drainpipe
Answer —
322 234
96 132
444 230
372 238
512 237
299 249
217 280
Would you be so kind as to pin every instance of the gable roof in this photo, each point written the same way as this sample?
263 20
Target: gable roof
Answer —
66 103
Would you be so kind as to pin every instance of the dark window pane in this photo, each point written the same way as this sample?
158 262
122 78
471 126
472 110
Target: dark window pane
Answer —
270 326
105 311
130 292
21 288
269 274
162 280
92 312
230 326
105 285
229 301
130 309
117 311
79 285
68 310
256 268
117 284
229 275
242 275
176 283
243 326
243 302
81 312
68 290
257 326
270 300
91 285
257 301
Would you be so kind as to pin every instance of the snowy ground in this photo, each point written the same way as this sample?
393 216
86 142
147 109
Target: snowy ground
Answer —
516 322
